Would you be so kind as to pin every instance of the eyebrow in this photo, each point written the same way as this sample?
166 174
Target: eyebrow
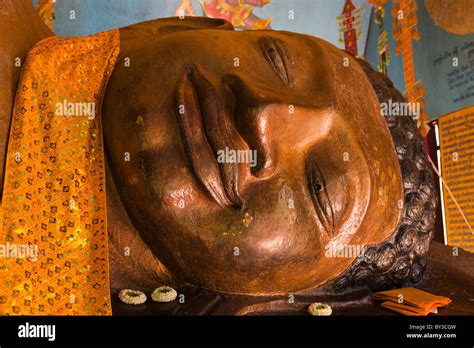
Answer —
305 38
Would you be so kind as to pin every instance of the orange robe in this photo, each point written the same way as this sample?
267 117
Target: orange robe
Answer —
53 230
410 301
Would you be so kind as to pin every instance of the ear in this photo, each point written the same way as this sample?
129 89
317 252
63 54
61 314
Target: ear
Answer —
22 28
160 27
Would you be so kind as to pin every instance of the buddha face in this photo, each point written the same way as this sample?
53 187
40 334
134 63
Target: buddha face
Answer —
246 159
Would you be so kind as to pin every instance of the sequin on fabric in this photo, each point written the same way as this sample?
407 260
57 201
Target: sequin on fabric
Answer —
54 229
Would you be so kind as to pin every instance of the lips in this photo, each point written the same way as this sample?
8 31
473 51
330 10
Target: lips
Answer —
206 126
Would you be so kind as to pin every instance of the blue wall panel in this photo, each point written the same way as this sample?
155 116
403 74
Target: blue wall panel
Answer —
314 17
441 96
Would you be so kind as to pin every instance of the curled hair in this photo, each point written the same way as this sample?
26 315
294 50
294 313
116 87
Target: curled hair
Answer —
401 259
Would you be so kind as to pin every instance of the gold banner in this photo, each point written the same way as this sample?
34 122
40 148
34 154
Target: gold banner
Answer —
456 133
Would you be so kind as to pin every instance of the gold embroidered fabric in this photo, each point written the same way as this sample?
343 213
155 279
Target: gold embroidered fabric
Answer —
54 229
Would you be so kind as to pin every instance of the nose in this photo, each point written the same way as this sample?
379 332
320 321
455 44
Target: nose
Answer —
253 124
256 131
272 125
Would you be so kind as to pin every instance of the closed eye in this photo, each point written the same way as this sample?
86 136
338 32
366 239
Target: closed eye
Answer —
318 190
274 53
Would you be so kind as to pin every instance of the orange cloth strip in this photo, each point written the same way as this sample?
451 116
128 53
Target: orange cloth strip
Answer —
410 301
54 231
46 12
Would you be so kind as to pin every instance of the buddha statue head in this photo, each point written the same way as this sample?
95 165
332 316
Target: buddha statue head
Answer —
258 162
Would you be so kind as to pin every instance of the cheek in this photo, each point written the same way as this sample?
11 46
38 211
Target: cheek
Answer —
181 198
177 195
340 187
278 221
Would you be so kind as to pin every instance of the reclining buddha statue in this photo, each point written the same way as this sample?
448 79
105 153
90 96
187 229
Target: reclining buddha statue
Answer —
111 166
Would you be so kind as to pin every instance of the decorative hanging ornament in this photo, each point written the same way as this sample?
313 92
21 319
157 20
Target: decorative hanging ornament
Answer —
350 27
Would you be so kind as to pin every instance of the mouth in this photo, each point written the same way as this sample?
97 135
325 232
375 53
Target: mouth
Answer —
206 126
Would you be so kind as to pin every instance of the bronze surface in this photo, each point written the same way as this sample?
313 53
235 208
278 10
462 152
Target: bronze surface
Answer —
301 196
